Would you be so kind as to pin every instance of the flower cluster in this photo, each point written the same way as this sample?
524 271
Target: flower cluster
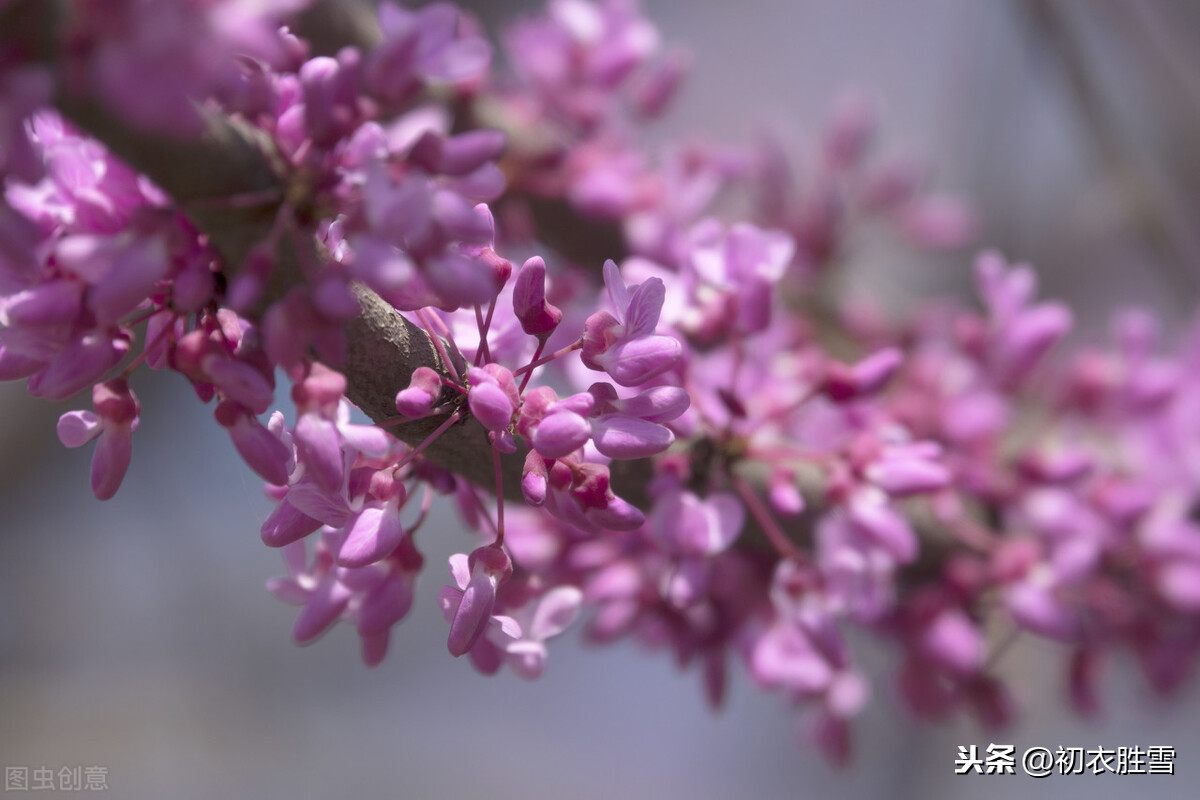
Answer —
705 454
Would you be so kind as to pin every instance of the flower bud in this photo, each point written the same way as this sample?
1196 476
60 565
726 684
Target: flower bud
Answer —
538 317
423 391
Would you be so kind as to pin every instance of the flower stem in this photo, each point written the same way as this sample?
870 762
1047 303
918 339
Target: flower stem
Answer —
142 356
482 353
536 353
499 497
430 439
770 527
437 344
532 365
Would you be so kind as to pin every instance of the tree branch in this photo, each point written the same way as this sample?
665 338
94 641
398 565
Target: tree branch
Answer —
232 160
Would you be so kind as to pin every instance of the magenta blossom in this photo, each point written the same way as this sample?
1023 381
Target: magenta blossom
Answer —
113 422
625 346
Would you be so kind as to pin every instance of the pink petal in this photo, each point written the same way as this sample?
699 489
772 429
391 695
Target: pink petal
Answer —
111 461
320 449
466 152
785 657
555 612
471 618
636 361
617 292
367 439
657 404
77 428
1179 584
324 606
460 569
375 647
50 303
904 476
286 525
79 365
240 382
645 307
261 450
14 367
954 641
288 590
134 274
527 659
619 436
617 515
489 403
889 530
386 604
423 391
1035 607
372 536
561 433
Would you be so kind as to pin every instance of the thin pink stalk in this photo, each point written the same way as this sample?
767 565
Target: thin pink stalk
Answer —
767 522
499 497
142 356
484 354
437 344
532 365
536 353
430 439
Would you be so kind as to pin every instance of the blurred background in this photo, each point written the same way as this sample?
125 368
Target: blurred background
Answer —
136 634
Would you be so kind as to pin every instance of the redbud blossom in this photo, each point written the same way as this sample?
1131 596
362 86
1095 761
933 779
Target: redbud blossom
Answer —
468 608
114 421
422 393
538 317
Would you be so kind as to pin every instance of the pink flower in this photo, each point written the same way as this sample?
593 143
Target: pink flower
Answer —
689 525
468 608
261 449
423 391
625 346
114 421
492 397
538 317
542 618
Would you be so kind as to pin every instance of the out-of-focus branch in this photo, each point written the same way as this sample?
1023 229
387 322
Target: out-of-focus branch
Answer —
1148 201
329 26
231 184
206 177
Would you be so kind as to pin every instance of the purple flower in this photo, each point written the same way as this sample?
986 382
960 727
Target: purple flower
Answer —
468 608
375 530
538 317
689 525
375 597
621 436
424 389
906 468
492 397
580 494
114 421
657 404
260 448
542 618
952 640
625 345
858 569
422 45
785 656
745 264
864 378
561 432
1021 331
